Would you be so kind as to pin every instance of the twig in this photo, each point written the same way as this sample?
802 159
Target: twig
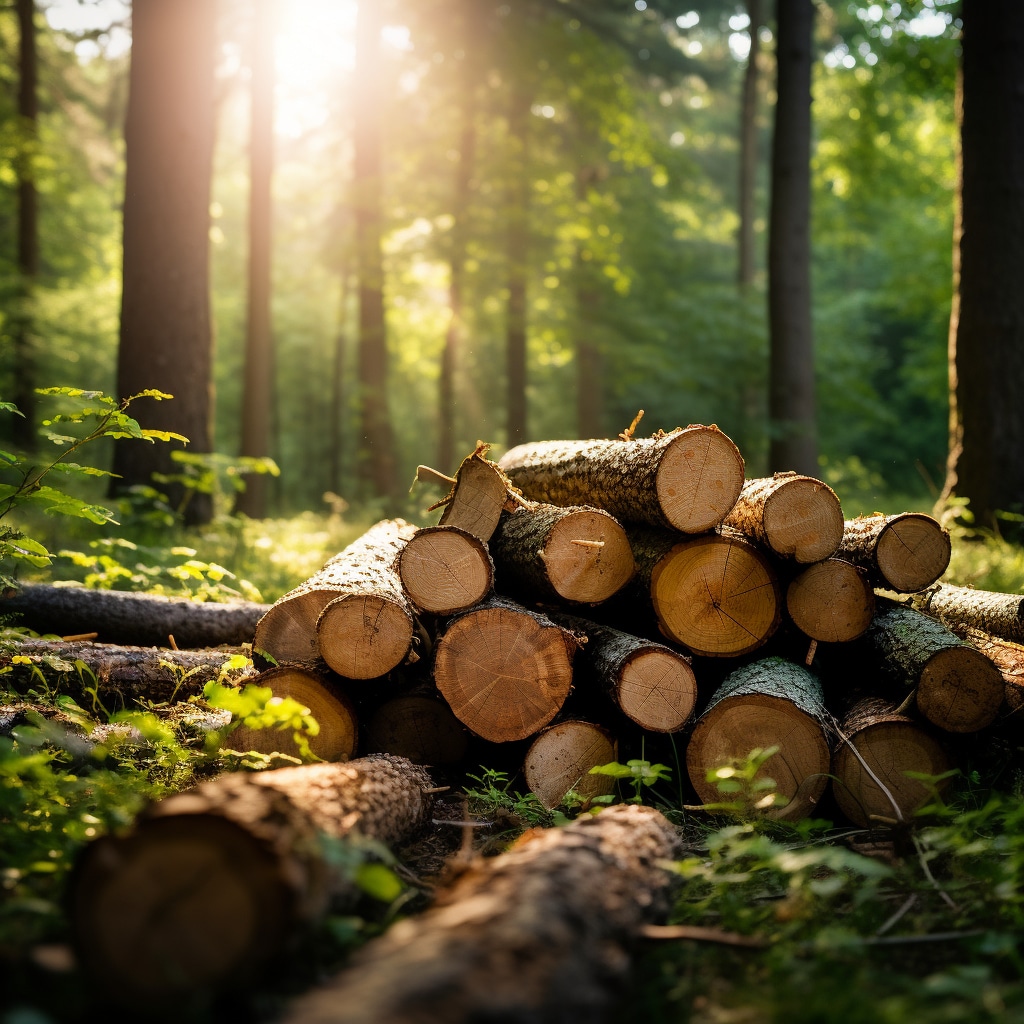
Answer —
947 899
699 934
907 904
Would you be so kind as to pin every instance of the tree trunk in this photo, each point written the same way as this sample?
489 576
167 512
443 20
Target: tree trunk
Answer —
769 703
987 326
505 671
560 758
688 479
166 339
792 426
831 601
445 570
539 933
257 392
798 517
580 555
889 745
370 619
589 323
337 418
517 253
956 607
748 150
376 467
419 726
905 552
957 687
122 617
213 883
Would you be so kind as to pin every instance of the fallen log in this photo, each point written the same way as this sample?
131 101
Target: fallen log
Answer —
870 782
504 670
213 883
1000 615
540 933
905 552
1008 658
831 601
419 726
126 618
688 479
445 569
560 758
573 554
797 517
770 703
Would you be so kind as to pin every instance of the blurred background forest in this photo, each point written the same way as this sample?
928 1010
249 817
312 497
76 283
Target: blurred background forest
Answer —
581 183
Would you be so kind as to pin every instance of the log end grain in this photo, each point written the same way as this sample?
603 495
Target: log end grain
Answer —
287 632
587 557
445 570
363 636
831 601
699 478
912 552
657 689
560 759
960 690
478 498
423 729
803 520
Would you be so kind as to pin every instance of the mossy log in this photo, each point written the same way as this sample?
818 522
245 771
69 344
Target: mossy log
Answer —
904 552
957 687
213 883
717 594
539 933
445 569
769 703
1000 615
688 479
794 516
419 726
574 554
130 619
123 675
888 745
504 670
650 683
831 601
371 620
560 758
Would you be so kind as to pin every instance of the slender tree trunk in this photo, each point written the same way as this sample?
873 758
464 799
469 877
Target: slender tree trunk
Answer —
589 360
748 149
987 326
257 398
336 416
793 443
166 339
376 468
28 227
517 242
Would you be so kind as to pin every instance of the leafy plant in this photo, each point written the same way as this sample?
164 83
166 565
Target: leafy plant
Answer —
637 772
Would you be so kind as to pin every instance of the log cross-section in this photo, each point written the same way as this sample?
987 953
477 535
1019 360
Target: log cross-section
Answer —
905 552
445 569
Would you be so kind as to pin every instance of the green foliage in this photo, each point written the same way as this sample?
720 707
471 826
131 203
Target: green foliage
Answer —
493 798
637 772
745 790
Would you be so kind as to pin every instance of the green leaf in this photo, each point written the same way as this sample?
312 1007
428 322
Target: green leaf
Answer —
163 435
378 881
11 407
58 503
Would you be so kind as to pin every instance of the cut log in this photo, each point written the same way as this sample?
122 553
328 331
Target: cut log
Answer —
370 625
419 727
769 703
688 479
958 688
211 884
445 569
794 516
831 601
650 683
718 595
540 933
313 687
479 494
888 745
574 554
505 671
560 759
905 552
123 617
1008 658
124 675
1001 615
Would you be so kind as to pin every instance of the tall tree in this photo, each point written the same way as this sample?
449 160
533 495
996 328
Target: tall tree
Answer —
791 402
376 468
257 395
165 339
28 225
986 337
748 148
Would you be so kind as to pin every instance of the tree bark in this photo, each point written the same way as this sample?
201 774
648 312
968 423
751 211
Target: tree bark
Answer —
560 758
122 617
905 552
999 614
213 883
986 337
769 703
791 399
517 253
540 933
445 570
748 150
831 601
688 479
797 517
166 340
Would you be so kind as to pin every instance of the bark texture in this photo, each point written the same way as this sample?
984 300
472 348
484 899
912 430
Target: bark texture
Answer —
539 934
445 570
560 759
212 883
688 479
123 617
831 601
999 614
905 552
